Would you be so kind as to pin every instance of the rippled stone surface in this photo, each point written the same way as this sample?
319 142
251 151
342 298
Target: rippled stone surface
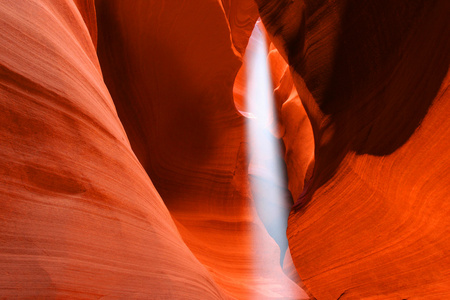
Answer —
80 217
170 68
124 166
373 78
159 207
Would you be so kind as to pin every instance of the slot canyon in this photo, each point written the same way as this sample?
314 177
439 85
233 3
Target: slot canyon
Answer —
225 149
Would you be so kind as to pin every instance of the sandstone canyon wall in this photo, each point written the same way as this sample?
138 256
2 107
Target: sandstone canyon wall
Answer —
124 165
373 220
79 216
170 68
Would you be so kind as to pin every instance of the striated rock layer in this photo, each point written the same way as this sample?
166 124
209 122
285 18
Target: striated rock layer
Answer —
373 77
79 216
362 101
170 67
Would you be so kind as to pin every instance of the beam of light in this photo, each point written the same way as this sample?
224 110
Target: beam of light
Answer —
267 179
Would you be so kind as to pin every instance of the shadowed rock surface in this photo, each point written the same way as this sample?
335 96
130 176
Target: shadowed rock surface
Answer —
124 170
373 77
170 68
79 216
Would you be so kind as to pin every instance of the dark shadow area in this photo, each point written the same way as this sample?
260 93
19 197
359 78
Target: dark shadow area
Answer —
391 59
389 66
167 124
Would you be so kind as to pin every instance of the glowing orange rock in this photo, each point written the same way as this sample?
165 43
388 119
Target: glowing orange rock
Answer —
79 216
170 69
373 78
365 89
295 127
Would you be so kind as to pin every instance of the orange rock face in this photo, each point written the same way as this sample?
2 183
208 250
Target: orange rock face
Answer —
373 77
124 165
79 216
170 69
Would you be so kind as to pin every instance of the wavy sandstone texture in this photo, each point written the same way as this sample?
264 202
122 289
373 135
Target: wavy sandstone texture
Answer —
373 77
79 216
170 68
153 201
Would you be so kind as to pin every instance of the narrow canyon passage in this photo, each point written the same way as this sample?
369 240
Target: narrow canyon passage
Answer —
266 170
195 145
224 149
263 93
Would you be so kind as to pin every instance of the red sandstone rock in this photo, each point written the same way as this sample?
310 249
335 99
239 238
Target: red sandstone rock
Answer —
79 216
295 128
170 69
373 221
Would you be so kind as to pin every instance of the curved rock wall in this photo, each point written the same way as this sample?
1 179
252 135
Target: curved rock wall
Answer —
170 68
160 207
79 216
373 78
